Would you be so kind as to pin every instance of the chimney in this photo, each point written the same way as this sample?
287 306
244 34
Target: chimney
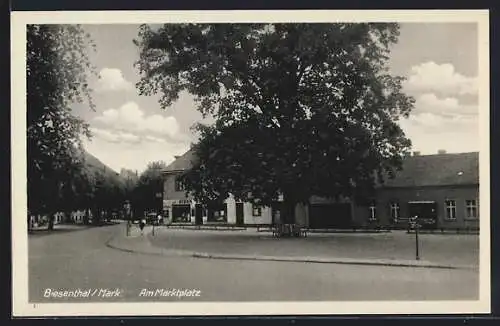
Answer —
416 153
441 151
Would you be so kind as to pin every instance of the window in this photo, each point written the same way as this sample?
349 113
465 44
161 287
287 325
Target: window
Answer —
217 212
220 215
395 215
451 209
373 212
471 209
180 213
178 185
256 210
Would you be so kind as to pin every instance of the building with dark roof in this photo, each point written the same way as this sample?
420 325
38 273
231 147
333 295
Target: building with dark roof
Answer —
444 186
442 190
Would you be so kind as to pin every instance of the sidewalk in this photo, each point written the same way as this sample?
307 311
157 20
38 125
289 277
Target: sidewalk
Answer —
214 246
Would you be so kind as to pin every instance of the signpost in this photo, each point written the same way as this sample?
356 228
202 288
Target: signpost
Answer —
127 215
153 232
415 225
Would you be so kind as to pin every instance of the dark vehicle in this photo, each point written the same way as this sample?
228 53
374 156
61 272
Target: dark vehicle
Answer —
426 213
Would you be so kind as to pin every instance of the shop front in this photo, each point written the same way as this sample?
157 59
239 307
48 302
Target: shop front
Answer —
178 211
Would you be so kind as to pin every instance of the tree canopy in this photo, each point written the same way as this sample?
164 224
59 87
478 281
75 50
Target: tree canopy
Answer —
300 109
58 69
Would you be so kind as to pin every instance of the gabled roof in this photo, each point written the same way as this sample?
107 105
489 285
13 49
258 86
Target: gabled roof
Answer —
181 163
437 170
418 171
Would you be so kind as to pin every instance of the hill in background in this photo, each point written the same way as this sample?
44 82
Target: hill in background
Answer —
94 166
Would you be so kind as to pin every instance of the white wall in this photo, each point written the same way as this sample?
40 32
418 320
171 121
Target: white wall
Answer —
248 218
264 218
231 210
302 215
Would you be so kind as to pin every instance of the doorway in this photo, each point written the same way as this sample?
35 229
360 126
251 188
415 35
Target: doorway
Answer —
240 220
198 216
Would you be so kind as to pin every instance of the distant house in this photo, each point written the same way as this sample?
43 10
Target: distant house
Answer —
443 189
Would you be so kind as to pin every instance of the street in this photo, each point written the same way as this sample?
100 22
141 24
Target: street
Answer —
81 260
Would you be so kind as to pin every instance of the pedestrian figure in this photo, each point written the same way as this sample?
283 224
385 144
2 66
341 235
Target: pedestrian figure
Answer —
142 224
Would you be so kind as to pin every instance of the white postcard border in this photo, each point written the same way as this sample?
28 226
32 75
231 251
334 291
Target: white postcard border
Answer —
21 306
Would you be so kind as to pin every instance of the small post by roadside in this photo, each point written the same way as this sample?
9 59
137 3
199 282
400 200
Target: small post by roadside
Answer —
416 226
128 215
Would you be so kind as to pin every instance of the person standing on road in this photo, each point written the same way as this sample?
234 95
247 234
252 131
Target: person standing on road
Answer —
142 224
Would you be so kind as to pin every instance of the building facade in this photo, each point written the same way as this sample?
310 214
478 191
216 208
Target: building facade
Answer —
442 190
178 208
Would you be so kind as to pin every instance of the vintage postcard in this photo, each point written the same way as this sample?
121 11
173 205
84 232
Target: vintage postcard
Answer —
250 163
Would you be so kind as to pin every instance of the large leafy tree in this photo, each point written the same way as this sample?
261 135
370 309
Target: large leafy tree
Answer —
57 68
299 109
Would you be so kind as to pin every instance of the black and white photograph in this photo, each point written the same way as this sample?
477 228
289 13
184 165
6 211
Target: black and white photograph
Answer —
250 163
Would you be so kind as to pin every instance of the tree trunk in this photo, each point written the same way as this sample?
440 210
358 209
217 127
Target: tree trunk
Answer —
86 216
50 224
67 217
95 216
288 209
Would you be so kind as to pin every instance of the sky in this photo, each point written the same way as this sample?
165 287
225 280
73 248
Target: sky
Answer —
440 62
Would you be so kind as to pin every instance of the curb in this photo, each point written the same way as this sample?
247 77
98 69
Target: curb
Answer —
149 250
156 251
205 228
340 261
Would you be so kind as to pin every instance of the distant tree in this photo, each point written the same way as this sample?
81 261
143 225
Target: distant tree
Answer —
74 191
150 184
57 72
85 189
130 179
299 109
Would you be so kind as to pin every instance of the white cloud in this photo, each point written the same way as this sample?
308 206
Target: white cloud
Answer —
131 118
115 136
105 135
431 132
429 102
440 123
111 79
154 139
440 78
